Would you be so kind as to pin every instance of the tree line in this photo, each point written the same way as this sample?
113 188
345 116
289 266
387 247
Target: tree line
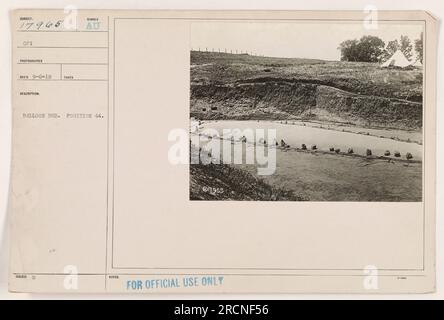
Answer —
374 49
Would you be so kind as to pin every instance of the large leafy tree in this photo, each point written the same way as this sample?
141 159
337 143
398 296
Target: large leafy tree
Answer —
371 48
349 50
366 49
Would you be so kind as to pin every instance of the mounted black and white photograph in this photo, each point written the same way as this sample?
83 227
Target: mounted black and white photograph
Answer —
306 111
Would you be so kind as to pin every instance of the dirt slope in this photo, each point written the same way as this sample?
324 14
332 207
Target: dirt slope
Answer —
224 182
228 86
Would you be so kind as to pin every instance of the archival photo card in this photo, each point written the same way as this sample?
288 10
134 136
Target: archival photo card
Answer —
223 151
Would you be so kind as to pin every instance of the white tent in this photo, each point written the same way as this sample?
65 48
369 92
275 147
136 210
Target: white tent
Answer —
417 63
398 59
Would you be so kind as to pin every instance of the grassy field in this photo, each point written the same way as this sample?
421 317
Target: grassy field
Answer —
354 77
230 86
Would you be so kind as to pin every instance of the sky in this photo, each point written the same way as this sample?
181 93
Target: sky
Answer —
313 40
